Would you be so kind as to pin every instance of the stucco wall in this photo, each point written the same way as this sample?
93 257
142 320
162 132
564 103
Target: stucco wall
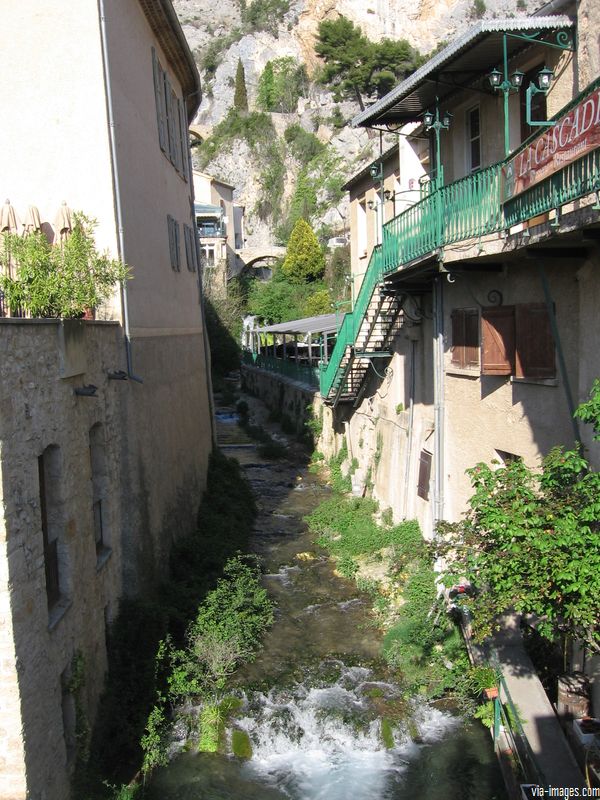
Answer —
40 409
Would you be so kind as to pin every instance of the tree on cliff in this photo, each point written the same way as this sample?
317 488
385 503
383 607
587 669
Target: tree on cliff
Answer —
355 66
304 260
240 96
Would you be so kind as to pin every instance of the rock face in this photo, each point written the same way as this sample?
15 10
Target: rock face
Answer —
424 23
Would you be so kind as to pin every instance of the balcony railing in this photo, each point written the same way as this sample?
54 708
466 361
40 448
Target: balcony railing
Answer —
466 209
303 373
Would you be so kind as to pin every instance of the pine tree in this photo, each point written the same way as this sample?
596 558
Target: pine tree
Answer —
240 97
304 260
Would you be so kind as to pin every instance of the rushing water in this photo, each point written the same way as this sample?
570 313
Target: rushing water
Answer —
314 700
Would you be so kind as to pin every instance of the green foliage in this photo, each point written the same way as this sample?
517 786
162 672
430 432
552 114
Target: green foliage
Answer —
304 260
531 542
478 9
240 96
304 145
264 15
240 744
485 714
255 128
140 653
123 792
282 82
280 300
318 303
154 741
211 728
590 410
355 66
60 280
387 734
211 54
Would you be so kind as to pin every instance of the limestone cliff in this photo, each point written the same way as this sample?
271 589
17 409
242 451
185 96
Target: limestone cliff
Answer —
219 35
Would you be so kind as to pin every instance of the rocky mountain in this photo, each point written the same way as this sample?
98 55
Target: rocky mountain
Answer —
255 32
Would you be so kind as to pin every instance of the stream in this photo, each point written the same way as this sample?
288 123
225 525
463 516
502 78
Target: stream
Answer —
317 699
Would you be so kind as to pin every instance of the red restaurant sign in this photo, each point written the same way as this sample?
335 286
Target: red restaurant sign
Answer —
571 137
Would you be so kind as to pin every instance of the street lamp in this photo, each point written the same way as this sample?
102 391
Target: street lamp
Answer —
431 121
544 79
502 82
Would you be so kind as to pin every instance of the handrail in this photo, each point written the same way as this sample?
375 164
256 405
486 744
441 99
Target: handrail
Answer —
303 373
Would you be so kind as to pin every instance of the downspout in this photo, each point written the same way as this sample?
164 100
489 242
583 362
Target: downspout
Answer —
438 400
116 188
562 364
411 417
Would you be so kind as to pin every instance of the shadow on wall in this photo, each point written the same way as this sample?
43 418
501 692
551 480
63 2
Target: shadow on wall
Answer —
224 347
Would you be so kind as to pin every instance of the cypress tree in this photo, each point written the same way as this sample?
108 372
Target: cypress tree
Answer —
304 260
240 97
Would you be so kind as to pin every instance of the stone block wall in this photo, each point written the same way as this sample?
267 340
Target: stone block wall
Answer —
155 440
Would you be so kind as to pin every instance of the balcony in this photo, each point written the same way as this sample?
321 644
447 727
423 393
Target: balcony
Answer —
487 202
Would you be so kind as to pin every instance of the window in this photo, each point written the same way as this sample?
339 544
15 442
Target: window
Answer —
361 228
69 714
424 474
208 255
189 240
51 515
517 340
174 254
99 478
378 219
473 139
465 338
171 119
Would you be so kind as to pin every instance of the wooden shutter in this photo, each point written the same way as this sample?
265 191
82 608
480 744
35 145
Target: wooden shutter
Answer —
458 337
424 474
471 350
498 340
465 337
159 97
534 342
183 139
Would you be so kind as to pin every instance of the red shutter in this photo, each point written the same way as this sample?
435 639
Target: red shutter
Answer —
424 474
535 343
498 340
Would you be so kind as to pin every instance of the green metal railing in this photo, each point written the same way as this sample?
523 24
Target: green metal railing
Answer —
289 369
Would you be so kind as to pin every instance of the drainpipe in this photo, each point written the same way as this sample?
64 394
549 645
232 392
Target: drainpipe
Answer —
438 399
411 417
116 187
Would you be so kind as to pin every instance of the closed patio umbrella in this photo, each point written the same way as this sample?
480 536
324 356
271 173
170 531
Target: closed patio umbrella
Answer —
32 220
9 223
8 218
63 222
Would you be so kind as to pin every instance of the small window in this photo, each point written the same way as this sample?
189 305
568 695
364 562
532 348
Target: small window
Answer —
517 340
99 478
361 228
473 140
424 474
49 473
505 458
174 249
465 338
208 255
69 715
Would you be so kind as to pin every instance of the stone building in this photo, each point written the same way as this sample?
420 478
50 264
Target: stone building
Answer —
106 425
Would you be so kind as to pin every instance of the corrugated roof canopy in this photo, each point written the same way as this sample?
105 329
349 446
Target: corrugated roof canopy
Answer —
206 208
465 62
326 323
